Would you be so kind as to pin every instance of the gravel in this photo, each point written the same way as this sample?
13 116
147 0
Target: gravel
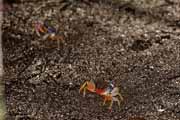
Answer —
136 46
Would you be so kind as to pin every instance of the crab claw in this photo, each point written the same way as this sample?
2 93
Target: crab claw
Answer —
88 85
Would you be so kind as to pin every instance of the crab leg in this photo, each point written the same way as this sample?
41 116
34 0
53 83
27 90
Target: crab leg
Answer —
117 100
111 103
116 92
105 99
119 94
83 87
84 92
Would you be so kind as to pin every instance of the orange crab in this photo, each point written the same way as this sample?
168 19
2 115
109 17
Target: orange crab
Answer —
47 31
110 93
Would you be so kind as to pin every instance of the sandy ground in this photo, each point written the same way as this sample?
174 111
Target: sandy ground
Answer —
135 45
